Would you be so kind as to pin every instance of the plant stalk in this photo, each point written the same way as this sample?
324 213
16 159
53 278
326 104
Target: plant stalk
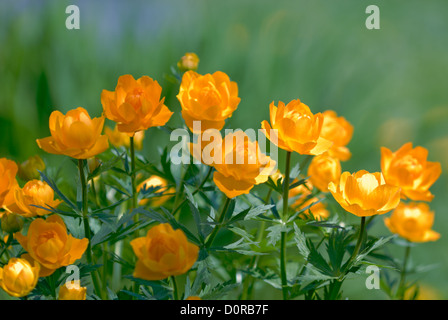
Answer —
85 219
215 231
284 276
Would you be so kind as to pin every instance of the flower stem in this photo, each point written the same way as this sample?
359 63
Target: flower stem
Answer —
85 219
401 286
249 281
133 173
359 242
215 231
284 277
175 291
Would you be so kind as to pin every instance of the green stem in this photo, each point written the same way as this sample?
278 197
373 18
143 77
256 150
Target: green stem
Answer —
133 174
85 219
249 281
284 277
175 291
402 285
215 231
359 242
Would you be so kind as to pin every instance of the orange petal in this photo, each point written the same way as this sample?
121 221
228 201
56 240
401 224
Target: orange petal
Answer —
231 187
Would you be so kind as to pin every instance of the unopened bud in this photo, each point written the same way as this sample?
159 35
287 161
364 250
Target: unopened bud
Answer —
12 222
28 170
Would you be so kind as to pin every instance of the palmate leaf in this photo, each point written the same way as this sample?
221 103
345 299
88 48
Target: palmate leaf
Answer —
217 292
275 232
336 248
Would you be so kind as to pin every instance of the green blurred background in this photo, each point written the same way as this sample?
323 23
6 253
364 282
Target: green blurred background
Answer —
391 84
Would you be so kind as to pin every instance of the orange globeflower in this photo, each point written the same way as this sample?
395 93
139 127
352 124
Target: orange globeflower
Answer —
75 135
19 277
155 181
317 208
121 139
8 182
408 169
189 61
339 131
210 99
240 165
135 105
365 194
72 291
164 252
322 170
296 128
48 243
413 221
34 193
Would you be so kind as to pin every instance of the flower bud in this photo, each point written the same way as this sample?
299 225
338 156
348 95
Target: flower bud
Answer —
12 222
29 169
188 62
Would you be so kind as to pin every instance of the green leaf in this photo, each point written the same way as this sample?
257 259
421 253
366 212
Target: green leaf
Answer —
256 211
275 232
300 239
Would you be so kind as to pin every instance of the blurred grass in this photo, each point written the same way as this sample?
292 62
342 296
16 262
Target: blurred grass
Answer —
389 83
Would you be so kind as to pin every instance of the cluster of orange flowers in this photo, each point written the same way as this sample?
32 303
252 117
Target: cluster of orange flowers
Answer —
136 105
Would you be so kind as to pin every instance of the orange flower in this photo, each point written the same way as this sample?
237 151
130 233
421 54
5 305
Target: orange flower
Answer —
34 193
48 243
324 169
189 61
240 165
339 131
8 182
296 128
317 208
28 170
413 221
135 105
164 252
75 135
408 169
365 194
18 277
121 139
210 99
193 298
155 181
72 291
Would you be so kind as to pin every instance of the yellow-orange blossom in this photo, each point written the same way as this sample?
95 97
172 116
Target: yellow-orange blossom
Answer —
365 194
408 169
135 105
296 128
48 243
413 221
19 277
210 99
75 135
164 252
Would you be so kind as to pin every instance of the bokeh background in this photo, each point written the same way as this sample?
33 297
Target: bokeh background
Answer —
391 84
